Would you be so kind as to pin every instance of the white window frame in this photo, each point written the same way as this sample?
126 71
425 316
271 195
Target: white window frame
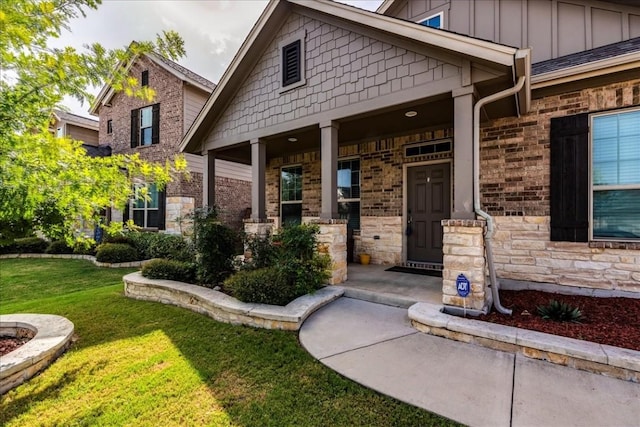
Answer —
440 14
141 143
291 202
132 204
302 36
351 199
593 188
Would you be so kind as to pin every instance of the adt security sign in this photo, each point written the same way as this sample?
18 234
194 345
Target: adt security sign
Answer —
462 285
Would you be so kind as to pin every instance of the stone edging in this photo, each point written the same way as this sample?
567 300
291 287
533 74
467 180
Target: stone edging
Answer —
75 256
52 337
224 308
598 358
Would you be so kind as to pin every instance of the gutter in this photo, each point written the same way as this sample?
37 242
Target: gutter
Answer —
476 184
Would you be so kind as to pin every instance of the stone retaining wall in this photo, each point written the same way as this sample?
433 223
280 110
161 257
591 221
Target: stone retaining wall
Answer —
91 258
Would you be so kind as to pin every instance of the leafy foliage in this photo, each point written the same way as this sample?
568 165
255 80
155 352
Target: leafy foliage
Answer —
48 181
31 245
267 285
170 270
116 252
214 244
560 312
59 247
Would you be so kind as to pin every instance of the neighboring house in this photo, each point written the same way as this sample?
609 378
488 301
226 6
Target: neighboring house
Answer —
75 127
369 117
154 130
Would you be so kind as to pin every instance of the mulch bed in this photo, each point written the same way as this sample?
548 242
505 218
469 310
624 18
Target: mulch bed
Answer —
612 321
8 344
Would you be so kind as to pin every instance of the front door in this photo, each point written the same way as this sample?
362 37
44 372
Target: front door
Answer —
428 203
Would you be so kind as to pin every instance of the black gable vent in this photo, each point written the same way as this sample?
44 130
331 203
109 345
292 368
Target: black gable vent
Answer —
291 72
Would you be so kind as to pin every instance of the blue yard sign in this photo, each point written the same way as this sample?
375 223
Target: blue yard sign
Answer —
462 285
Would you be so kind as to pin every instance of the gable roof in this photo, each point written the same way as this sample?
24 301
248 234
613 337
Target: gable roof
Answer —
74 119
184 74
277 10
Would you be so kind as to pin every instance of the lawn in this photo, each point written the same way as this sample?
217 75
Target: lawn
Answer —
147 364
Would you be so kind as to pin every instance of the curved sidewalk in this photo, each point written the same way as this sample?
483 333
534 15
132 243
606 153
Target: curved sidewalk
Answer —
376 346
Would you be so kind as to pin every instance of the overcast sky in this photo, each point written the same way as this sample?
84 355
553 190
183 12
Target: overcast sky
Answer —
213 30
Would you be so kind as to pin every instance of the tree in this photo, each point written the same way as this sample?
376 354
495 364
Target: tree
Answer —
46 180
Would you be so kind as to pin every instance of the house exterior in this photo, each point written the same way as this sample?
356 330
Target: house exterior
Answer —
154 131
456 135
75 127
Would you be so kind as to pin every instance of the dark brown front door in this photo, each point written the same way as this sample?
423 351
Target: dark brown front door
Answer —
428 203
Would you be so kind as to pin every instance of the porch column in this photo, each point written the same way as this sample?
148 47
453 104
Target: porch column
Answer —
258 188
209 181
329 169
463 153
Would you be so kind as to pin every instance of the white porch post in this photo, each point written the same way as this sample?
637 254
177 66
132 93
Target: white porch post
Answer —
209 180
258 187
329 169
463 153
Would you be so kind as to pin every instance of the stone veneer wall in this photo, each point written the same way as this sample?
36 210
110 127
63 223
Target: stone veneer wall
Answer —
515 187
523 251
463 248
332 240
177 208
380 237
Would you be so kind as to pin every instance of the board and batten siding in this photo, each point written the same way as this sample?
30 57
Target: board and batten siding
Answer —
552 28
225 169
344 69
194 100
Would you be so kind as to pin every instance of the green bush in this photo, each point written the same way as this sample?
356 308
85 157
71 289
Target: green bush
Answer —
214 244
560 312
31 245
8 248
116 252
170 247
265 286
59 247
170 270
84 248
263 252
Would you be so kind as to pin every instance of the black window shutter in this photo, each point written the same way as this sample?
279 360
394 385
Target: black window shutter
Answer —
155 124
145 78
134 128
570 178
291 63
162 195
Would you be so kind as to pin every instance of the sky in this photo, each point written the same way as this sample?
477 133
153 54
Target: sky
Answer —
212 30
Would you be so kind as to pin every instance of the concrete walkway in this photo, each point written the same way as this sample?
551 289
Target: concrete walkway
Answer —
376 346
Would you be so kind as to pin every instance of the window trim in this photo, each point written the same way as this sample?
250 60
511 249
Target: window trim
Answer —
290 202
146 209
140 128
592 116
440 14
352 199
299 36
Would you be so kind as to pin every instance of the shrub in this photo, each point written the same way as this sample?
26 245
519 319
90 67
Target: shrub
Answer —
170 270
265 285
170 247
263 252
214 244
31 245
560 312
59 247
85 247
116 252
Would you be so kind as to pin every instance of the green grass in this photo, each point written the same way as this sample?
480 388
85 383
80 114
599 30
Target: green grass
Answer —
145 364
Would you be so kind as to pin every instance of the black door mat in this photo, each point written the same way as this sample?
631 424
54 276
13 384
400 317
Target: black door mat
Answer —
422 271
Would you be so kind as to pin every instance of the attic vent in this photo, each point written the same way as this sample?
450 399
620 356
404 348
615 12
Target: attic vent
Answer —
425 148
291 63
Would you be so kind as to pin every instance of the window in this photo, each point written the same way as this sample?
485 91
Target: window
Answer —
147 212
144 80
109 127
615 175
349 192
292 62
434 21
291 195
60 132
145 126
427 148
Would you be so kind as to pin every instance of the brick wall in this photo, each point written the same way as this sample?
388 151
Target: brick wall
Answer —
234 198
515 156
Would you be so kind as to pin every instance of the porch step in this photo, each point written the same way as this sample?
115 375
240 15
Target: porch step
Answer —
379 297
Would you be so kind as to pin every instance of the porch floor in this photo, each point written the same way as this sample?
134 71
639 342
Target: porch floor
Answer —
373 283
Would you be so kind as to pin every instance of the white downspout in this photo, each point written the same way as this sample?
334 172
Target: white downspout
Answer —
476 186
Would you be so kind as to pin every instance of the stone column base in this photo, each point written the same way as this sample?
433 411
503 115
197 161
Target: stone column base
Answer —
332 241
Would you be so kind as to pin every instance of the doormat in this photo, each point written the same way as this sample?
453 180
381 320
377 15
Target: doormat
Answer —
422 271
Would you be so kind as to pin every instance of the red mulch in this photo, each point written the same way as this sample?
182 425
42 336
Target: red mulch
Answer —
8 344
612 321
